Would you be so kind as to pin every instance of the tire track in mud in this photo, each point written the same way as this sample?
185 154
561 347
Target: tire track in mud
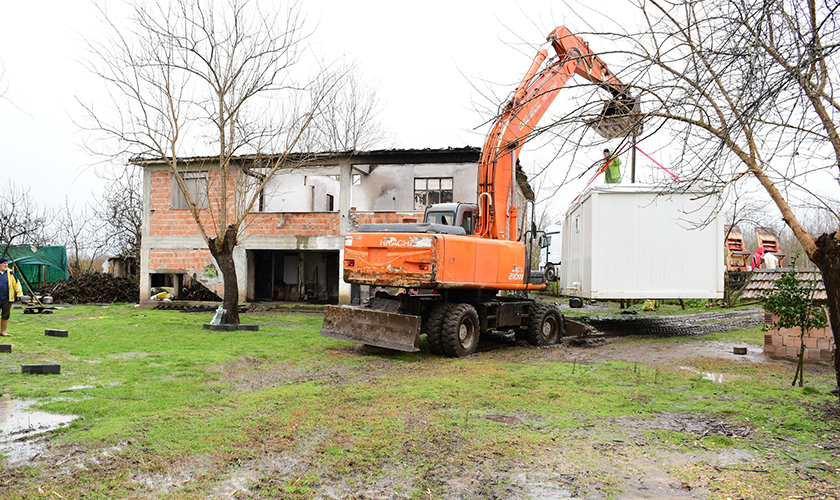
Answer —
686 325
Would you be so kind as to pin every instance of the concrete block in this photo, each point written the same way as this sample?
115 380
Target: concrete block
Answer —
791 341
826 355
250 328
221 328
768 339
5 347
781 351
41 369
824 344
810 342
812 354
822 333
792 352
56 333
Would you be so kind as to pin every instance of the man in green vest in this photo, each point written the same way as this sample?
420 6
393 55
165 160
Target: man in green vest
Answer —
612 174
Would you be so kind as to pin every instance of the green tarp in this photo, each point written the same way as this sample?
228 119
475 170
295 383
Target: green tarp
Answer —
39 265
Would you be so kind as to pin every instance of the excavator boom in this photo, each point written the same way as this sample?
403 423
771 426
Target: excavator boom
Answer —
523 111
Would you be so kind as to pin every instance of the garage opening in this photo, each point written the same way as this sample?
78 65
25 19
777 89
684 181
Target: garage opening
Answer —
283 275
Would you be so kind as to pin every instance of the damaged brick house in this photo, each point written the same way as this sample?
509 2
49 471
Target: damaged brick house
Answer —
291 245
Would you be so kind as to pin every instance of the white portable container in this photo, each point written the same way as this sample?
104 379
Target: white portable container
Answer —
635 241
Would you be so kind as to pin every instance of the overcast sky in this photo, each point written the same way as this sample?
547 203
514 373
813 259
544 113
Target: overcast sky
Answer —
423 58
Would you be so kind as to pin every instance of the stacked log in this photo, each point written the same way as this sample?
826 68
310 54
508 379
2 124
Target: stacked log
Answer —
93 288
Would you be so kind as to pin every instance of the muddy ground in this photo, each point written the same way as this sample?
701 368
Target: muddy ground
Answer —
603 458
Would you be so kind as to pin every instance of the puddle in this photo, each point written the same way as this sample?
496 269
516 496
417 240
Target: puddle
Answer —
22 430
714 377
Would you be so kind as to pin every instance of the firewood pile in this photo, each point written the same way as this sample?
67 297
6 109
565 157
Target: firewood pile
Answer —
198 292
94 288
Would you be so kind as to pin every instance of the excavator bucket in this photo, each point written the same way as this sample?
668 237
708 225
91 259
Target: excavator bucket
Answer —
619 118
375 327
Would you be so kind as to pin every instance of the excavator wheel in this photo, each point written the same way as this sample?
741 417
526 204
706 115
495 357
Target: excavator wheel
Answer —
545 324
433 327
459 333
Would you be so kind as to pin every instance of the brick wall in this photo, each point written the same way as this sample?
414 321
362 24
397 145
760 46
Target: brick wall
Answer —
181 259
386 217
293 224
165 221
188 260
785 343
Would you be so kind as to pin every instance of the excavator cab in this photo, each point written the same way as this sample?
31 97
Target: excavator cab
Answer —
452 214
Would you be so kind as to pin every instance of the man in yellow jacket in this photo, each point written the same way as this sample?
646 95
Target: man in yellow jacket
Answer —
9 292
612 174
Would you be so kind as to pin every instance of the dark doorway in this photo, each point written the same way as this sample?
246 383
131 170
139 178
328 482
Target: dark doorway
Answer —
281 275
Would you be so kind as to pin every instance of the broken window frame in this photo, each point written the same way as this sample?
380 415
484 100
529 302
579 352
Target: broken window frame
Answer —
432 190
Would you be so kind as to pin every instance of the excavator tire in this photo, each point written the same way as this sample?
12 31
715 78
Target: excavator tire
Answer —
545 324
460 330
433 328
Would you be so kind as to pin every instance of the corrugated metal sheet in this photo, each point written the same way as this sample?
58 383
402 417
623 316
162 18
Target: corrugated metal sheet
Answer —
763 281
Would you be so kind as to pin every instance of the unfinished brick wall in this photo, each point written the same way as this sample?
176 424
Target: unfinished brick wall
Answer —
784 343
190 261
166 221
179 259
293 224
386 217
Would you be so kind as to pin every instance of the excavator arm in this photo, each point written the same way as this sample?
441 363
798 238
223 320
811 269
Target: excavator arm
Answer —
528 103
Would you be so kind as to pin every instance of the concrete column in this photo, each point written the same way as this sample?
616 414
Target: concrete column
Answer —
344 203
240 260
145 279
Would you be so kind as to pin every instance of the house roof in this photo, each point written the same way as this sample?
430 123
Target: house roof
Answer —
381 156
763 281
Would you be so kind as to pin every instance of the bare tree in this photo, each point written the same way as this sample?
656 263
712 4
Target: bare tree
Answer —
747 90
84 236
3 86
22 222
189 73
348 118
120 208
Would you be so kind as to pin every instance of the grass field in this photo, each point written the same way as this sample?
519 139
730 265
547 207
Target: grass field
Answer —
167 409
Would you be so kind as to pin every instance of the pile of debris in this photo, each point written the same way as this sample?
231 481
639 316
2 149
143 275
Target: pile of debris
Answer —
93 288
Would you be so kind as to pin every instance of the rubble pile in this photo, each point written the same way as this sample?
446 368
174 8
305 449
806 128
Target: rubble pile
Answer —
94 288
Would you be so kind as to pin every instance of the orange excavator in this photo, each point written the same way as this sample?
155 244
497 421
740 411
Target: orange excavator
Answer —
454 272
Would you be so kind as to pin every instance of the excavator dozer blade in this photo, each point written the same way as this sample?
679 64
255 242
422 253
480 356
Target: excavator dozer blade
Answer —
375 327
619 118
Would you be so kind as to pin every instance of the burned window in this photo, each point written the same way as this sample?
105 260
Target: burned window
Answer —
431 190
196 183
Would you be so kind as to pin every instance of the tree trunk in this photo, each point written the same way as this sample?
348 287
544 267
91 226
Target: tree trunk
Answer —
828 260
800 364
223 253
